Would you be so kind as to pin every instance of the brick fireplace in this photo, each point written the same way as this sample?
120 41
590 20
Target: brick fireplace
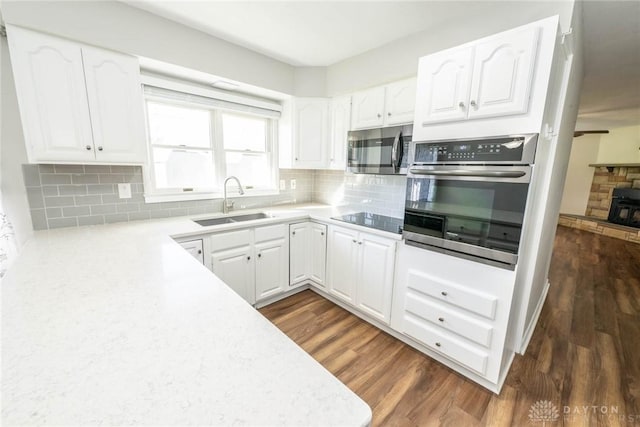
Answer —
596 215
602 187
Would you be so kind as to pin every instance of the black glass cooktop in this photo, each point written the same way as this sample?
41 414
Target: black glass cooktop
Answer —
371 220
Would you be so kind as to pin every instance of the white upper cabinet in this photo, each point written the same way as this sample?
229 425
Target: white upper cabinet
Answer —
340 125
400 102
493 86
490 79
115 102
387 105
51 96
445 79
78 104
502 75
367 110
311 133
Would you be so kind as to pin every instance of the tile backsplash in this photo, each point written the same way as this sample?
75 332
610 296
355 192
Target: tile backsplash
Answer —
75 195
380 194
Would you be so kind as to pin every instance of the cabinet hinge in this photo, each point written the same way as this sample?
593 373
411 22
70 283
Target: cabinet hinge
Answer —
566 41
3 31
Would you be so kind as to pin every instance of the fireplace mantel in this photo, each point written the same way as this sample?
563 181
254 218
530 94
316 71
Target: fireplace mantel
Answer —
610 166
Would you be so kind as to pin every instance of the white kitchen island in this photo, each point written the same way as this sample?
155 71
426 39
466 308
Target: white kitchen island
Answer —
118 325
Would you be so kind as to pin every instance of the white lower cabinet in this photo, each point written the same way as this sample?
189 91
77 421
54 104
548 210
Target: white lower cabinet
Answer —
272 261
455 308
308 254
360 270
253 262
194 247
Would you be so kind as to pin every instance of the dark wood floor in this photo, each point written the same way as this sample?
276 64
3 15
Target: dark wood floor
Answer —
584 354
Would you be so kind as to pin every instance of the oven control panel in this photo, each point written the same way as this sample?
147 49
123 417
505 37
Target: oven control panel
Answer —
485 151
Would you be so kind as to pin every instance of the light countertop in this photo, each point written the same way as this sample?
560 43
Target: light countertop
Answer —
118 325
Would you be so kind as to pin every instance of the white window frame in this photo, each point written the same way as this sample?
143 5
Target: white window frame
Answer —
155 195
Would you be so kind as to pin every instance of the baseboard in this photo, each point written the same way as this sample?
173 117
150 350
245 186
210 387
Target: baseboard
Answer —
268 301
526 338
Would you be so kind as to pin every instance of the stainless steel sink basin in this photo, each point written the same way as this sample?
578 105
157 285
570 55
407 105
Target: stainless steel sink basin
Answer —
213 221
230 219
249 217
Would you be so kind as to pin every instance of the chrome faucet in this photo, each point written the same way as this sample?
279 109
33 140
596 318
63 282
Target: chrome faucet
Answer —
227 204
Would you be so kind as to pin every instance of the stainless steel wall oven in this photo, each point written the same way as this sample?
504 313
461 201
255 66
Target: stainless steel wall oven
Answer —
468 197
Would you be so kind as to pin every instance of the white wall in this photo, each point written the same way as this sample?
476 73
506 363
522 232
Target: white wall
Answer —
13 153
577 187
621 145
115 25
399 59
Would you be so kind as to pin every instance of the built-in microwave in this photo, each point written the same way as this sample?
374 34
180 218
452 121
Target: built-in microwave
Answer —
381 151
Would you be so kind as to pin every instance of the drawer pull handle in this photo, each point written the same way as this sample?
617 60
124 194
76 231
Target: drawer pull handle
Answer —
438 344
440 319
444 294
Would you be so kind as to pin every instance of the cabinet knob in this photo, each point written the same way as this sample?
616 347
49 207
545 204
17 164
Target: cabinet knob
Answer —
443 293
248 258
473 103
259 255
355 241
322 233
389 114
379 115
199 251
88 147
461 104
359 243
438 344
296 159
440 319
100 148
293 233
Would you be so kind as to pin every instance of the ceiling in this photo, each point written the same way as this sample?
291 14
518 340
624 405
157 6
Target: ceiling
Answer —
322 33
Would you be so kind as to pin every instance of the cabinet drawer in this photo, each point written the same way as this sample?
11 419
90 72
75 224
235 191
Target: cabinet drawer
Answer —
446 344
270 232
449 319
232 239
454 294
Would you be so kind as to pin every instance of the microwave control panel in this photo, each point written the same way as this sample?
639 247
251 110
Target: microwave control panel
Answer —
495 150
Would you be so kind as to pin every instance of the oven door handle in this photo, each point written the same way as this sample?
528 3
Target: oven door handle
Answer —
470 173
396 155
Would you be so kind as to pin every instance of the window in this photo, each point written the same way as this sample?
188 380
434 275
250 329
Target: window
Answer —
193 147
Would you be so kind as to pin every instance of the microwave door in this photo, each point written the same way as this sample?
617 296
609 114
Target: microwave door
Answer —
371 156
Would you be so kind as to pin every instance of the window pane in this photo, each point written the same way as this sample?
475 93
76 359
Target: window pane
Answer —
243 132
183 169
174 125
252 169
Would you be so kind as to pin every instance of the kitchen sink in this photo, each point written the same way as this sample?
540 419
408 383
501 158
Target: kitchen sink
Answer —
231 219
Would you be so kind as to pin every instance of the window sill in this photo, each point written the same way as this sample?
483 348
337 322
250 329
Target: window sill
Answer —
185 197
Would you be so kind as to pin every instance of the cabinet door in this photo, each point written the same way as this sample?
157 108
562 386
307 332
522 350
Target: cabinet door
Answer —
375 278
443 86
311 133
318 254
400 102
194 247
52 97
299 257
502 74
235 267
340 124
341 267
367 108
272 268
115 102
